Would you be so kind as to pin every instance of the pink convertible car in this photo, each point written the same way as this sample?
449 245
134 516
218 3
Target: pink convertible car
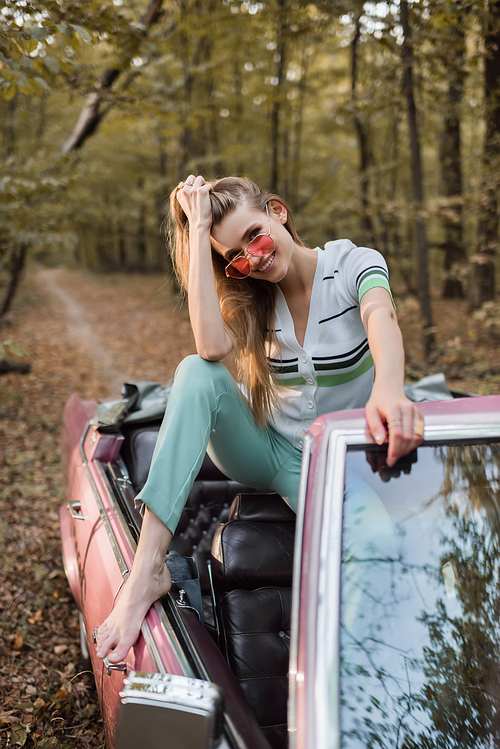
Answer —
370 619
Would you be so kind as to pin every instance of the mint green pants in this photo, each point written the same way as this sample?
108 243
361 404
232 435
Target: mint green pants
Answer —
206 412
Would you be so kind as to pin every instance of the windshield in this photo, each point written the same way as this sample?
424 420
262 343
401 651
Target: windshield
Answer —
420 606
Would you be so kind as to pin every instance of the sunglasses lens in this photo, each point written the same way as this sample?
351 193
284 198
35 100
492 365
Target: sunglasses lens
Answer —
261 245
238 268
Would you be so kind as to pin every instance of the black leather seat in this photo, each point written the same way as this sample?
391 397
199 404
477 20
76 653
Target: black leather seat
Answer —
252 562
207 505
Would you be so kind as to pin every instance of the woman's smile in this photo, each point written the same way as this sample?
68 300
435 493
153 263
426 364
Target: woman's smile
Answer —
267 265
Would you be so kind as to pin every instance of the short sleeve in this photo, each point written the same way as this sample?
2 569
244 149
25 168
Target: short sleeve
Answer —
364 269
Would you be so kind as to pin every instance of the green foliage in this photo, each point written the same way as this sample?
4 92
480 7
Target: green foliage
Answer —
222 87
31 57
12 348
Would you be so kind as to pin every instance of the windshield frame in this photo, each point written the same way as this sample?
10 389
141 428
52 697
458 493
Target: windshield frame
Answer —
316 600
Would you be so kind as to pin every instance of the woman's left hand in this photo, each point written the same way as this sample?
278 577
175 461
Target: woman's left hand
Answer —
394 418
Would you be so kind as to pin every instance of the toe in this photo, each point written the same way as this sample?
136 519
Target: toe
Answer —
118 654
104 643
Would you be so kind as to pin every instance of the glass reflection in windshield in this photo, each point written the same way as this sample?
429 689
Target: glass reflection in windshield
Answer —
420 608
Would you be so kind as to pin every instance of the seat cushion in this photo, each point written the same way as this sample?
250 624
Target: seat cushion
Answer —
252 563
256 631
253 554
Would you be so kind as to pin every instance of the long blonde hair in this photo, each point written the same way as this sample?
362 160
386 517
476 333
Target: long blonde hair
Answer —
247 305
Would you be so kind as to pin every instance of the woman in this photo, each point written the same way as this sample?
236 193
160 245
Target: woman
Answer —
312 331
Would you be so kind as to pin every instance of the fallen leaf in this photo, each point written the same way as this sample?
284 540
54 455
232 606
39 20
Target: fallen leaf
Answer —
60 649
18 734
61 694
18 641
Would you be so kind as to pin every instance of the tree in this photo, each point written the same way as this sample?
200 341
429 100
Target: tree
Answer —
450 154
362 137
483 282
417 182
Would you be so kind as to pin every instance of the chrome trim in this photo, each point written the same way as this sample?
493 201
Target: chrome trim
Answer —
181 603
72 510
167 625
191 694
169 709
214 604
121 666
294 627
329 599
112 499
123 468
102 512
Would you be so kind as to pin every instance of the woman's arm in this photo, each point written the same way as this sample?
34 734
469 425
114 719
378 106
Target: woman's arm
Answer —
211 338
389 413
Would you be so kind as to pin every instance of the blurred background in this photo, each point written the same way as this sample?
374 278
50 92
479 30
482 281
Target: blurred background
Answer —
375 121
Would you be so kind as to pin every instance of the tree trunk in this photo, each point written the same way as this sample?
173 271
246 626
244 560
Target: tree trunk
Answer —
17 263
417 185
122 253
276 108
483 282
297 134
391 233
364 153
91 115
7 366
10 130
185 137
239 112
142 256
451 170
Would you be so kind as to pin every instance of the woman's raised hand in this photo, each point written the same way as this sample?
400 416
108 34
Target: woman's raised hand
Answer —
211 338
395 419
193 196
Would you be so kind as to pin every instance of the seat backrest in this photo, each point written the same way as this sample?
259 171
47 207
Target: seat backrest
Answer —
252 562
207 505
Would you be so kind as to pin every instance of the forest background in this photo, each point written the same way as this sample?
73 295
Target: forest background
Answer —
376 121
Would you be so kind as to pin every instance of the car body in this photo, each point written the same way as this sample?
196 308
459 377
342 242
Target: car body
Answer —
387 633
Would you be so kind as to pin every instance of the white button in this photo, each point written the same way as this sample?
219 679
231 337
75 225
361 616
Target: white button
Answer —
301 444
310 404
310 381
304 359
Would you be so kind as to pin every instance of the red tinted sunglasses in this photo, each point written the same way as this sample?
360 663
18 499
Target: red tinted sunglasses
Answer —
259 246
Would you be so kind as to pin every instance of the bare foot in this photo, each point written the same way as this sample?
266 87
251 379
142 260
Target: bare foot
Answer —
146 584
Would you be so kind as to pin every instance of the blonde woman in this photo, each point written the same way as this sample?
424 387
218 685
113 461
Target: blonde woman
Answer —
313 331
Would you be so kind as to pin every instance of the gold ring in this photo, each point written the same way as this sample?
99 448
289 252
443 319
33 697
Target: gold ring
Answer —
418 428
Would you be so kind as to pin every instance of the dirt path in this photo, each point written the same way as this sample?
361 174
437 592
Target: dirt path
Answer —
79 330
87 335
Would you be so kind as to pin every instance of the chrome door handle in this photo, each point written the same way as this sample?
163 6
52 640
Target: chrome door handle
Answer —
122 666
76 510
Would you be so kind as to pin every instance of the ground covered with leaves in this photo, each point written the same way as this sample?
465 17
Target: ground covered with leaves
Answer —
88 334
